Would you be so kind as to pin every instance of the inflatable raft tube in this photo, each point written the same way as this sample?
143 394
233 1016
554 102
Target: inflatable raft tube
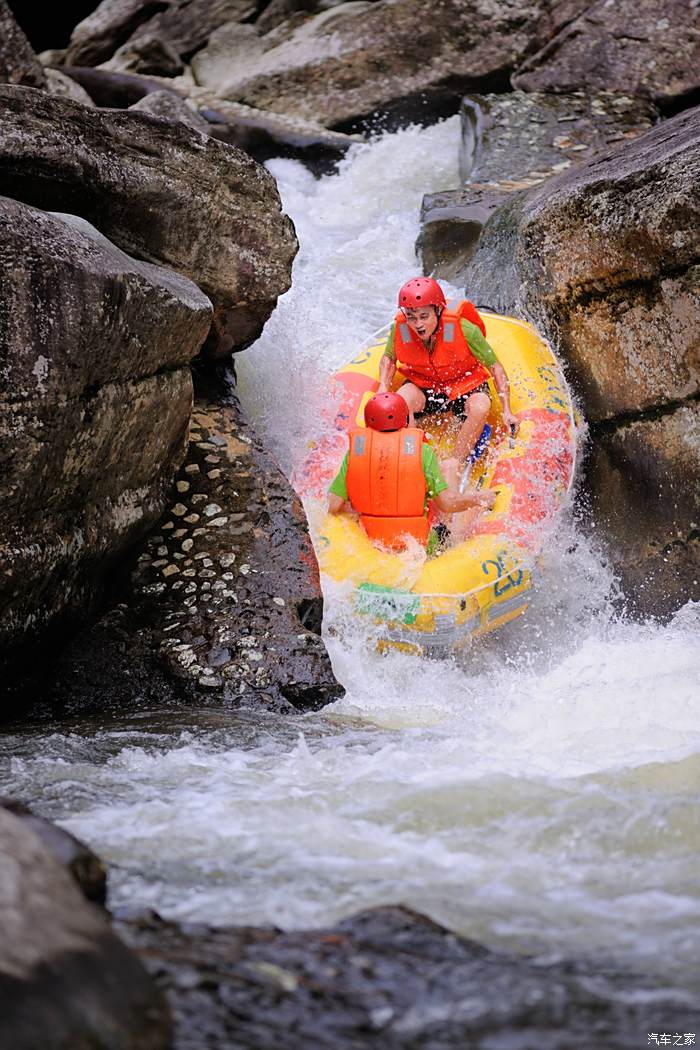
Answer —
435 604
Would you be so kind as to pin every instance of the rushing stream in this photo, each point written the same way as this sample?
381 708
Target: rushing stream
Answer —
538 794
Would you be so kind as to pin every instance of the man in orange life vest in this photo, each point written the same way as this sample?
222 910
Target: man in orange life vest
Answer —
389 475
441 350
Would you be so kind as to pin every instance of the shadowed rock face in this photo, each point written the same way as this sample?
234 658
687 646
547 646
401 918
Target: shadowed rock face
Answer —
387 979
65 979
18 63
162 193
95 396
607 257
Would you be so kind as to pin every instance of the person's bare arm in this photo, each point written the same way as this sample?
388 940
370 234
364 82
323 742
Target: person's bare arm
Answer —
387 371
503 387
452 502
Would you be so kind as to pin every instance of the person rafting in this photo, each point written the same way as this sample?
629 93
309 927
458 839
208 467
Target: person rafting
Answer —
390 476
441 351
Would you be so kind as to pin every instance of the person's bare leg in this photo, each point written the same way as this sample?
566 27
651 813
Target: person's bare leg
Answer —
414 398
478 407
460 525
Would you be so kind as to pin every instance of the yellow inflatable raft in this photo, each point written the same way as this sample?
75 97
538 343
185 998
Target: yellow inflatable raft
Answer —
439 603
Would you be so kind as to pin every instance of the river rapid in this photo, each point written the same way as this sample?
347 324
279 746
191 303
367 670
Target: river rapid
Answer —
538 794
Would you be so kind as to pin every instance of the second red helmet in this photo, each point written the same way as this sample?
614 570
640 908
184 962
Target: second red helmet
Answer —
386 412
421 291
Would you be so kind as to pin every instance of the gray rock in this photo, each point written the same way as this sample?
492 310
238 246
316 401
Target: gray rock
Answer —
635 47
85 866
264 134
147 55
604 258
644 484
510 143
57 83
65 979
185 26
160 192
113 90
95 395
389 979
354 59
97 37
532 136
253 593
169 106
18 63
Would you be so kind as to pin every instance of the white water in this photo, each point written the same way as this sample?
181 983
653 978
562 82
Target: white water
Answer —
540 794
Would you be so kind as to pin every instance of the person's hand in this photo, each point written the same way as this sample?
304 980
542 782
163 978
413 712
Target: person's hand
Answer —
511 421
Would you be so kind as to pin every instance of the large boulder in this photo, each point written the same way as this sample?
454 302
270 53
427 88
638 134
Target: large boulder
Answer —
65 978
97 37
18 63
604 256
512 142
233 574
182 26
356 58
636 47
95 398
163 193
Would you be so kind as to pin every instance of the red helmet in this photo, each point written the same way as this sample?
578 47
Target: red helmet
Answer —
386 412
421 291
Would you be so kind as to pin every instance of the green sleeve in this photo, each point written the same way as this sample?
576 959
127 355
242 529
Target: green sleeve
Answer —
389 348
339 485
482 350
434 480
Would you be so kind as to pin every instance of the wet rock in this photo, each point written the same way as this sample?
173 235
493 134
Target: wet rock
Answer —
65 979
388 979
18 63
644 484
95 397
513 142
252 590
85 866
604 256
534 135
635 47
357 58
136 179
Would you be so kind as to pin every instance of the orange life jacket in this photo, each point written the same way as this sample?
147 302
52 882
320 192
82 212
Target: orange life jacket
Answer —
386 484
451 368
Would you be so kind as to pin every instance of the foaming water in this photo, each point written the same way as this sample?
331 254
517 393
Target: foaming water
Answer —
537 793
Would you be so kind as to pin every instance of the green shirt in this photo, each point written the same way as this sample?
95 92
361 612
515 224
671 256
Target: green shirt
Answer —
434 481
479 346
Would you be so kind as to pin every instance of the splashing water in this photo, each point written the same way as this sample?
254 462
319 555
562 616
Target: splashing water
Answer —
537 794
